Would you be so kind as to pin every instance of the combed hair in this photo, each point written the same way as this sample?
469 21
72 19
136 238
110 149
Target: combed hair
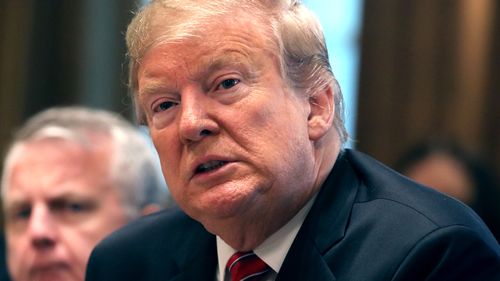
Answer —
293 30
133 169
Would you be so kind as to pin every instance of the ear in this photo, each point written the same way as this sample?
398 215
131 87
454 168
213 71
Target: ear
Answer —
320 118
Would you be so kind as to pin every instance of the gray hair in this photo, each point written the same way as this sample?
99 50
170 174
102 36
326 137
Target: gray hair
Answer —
294 31
134 169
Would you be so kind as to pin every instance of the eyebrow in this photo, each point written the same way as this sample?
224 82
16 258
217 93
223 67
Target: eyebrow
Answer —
152 87
71 195
13 205
221 62
231 58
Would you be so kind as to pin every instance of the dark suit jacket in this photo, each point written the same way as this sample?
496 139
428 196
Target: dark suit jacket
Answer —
3 263
368 223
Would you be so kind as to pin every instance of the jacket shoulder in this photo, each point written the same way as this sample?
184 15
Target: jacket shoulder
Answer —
148 248
380 185
402 228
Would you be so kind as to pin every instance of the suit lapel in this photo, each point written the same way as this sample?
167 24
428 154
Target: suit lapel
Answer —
323 227
202 268
304 262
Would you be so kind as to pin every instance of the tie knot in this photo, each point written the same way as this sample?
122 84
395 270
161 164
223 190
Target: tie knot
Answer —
245 266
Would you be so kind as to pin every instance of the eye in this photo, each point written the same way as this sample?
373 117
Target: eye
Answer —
164 106
16 218
75 207
21 213
24 213
228 83
70 207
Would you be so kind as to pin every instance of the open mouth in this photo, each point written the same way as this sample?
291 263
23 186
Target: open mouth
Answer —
210 166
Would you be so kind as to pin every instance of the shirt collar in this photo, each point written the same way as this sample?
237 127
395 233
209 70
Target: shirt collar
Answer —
274 249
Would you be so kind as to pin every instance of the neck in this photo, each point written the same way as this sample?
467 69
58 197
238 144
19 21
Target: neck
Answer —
248 232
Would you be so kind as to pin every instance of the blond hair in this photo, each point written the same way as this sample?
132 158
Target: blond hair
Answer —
293 30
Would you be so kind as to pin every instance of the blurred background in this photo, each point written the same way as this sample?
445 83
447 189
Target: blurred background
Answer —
409 69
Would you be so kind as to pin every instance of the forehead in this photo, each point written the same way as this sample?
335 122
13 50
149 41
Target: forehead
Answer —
175 22
54 166
222 42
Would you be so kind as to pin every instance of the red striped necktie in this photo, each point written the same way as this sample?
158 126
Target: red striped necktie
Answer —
246 266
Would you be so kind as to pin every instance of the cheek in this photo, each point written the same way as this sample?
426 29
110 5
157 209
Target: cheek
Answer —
170 165
168 152
167 147
289 143
281 131
16 248
77 248
80 242
80 245
109 216
15 266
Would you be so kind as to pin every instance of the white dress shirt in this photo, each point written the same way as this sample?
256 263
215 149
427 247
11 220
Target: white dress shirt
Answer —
272 251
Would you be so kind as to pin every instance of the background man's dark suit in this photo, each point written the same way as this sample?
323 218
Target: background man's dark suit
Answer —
368 223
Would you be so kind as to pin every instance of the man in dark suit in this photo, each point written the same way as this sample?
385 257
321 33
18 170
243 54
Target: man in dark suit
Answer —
246 116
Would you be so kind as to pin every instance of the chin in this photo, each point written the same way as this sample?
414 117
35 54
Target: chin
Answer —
54 276
217 207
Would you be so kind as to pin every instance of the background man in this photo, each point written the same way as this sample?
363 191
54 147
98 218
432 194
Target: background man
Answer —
71 176
246 116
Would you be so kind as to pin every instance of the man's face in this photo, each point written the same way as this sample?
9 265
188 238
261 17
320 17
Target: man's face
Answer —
231 136
58 205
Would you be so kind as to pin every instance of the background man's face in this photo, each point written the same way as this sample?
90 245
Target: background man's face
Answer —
58 205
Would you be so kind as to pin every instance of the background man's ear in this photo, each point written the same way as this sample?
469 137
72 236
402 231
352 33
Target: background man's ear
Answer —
149 209
322 113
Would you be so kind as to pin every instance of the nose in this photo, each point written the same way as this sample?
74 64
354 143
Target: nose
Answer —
42 228
196 120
